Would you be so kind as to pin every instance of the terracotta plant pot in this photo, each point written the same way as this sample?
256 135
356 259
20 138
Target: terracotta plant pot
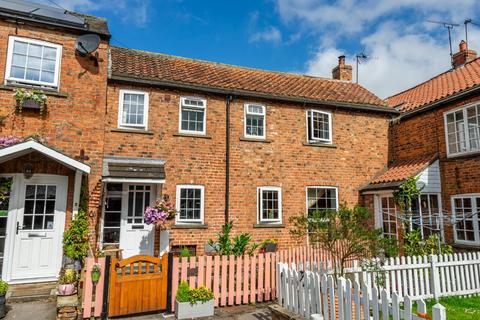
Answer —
66 289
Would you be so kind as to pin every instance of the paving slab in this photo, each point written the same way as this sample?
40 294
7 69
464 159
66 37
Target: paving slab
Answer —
34 310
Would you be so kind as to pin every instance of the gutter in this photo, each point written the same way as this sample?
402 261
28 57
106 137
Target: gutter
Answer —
435 104
253 94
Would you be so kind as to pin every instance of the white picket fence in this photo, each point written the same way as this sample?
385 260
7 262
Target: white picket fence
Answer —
311 294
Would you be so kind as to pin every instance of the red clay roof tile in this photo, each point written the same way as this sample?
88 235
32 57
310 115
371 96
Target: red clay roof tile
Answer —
153 66
437 88
402 170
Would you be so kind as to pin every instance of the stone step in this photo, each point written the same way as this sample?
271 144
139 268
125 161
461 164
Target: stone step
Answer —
31 292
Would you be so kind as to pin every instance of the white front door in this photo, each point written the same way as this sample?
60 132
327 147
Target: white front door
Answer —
38 229
136 237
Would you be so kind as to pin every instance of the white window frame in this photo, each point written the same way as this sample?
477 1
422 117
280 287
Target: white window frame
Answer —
319 187
121 124
263 114
182 99
423 215
202 204
467 133
56 77
310 137
475 218
260 220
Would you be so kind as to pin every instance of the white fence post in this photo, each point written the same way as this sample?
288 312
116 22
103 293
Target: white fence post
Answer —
438 312
434 277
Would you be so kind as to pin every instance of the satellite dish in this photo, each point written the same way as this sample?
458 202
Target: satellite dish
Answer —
87 43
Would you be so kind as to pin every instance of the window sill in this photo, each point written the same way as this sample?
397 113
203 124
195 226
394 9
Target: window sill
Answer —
269 225
190 226
48 91
465 155
319 144
466 245
125 130
261 140
192 135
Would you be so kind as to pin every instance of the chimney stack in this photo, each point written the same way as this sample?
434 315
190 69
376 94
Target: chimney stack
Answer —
463 55
342 71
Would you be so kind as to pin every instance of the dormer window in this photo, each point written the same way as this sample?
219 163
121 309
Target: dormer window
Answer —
33 62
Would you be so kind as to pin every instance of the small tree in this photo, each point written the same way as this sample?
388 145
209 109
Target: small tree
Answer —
345 234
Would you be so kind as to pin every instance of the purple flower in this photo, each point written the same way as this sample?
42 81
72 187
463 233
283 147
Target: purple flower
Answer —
8 141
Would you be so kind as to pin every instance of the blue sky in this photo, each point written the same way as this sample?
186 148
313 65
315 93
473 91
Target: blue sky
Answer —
303 36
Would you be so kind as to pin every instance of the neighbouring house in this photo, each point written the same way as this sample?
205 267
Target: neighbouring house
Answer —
224 143
437 138
62 145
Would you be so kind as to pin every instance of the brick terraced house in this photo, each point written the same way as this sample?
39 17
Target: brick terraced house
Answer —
223 143
436 137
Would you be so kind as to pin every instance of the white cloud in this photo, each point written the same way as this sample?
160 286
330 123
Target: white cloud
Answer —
404 49
270 34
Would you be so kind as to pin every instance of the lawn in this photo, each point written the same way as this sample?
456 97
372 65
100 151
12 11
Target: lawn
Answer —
459 308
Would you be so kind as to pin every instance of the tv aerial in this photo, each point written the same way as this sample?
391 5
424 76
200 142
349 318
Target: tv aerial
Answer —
360 57
86 44
449 27
466 23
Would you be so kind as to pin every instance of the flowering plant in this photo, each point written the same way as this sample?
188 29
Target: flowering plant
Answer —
22 95
159 213
8 141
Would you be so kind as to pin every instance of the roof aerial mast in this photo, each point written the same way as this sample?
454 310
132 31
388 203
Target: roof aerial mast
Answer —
466 22
449 27
360 57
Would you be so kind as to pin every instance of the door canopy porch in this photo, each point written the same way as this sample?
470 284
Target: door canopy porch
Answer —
133 170
31 145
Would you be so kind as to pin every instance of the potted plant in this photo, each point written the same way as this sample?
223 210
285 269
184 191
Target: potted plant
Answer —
193 303
66 282
3 293
96 272
28 99
75 240
269 245
160 213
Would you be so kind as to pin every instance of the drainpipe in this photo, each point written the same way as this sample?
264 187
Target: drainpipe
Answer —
227 158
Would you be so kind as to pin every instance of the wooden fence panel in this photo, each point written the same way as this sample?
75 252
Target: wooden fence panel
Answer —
93 293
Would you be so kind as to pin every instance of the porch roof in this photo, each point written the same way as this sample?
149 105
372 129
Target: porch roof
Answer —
400 171
134 170
29 145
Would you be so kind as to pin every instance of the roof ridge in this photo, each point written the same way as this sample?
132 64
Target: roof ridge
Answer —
300 75
434 77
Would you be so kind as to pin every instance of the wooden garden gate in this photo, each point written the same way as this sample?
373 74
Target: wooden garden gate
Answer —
138 284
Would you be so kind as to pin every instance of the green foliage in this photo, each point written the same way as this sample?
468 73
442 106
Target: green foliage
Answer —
5 186
240 245
406 193
183 292
68 276
3 287
185 253
415 245
75 238
345 233
22 95
266 242
186 294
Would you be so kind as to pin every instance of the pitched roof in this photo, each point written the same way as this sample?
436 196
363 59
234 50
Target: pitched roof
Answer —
137 64
438 88
402 170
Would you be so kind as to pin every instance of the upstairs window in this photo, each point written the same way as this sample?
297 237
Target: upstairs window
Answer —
462 129
192 115
33 62
319 124
269 205
254 121
133 109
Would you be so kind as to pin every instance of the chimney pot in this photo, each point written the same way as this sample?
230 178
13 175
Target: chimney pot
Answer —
463 56
342 71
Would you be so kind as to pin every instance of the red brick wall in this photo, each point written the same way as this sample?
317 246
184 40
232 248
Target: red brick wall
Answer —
361 141
75 118
425 134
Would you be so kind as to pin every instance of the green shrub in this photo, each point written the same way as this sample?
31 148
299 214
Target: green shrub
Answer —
415 245
3 287
75 238
186 294
68 276
241 243
185 253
